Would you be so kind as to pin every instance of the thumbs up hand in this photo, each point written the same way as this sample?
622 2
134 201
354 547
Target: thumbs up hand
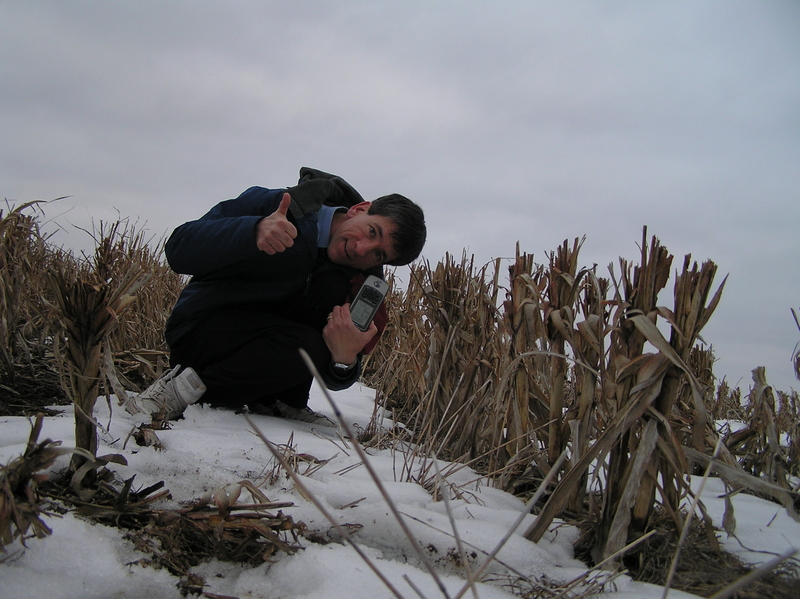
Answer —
274 233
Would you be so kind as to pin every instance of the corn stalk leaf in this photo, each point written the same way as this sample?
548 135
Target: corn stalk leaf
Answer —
647 328
618 533
735 475
642 395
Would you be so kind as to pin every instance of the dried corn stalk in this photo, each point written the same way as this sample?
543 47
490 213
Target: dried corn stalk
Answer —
21 253
562 363
396 365
562 294
796 354
460 307
757 445
542 314
88 305
120 250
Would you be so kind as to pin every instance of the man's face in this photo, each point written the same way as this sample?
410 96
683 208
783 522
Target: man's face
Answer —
361 240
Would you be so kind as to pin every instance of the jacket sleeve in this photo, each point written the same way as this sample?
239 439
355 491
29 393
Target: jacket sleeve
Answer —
336 383
223 236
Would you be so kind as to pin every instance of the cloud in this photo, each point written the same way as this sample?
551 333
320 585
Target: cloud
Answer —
529 121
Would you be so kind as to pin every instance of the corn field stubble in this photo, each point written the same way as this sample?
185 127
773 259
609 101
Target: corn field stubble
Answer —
507 377
503 371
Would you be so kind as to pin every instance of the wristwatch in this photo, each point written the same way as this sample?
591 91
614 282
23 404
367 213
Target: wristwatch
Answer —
344 367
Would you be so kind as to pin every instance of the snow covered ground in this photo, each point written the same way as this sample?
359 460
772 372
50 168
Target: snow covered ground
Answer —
211 449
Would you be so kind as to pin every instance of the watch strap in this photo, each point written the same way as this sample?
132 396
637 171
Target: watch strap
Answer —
345 367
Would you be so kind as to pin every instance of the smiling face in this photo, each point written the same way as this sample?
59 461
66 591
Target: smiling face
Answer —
361 240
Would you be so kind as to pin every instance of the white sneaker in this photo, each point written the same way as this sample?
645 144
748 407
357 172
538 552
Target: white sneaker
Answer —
168 397
303 415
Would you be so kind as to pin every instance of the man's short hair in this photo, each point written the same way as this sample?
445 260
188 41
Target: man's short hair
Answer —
409 232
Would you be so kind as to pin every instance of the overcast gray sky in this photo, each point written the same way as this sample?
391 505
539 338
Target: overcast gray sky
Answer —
507 121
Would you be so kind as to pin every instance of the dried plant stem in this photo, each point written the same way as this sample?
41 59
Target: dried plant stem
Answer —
611 558
643 396
414 587
310 496
374 475
763 569
687 524
522 515
89 311
796 353
445 498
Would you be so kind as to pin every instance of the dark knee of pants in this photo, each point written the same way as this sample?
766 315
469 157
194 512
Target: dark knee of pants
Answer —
264 368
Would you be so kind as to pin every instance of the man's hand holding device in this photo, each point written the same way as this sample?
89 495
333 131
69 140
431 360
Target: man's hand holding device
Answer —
350 326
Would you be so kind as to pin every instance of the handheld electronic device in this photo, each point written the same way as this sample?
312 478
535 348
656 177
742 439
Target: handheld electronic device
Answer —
367 301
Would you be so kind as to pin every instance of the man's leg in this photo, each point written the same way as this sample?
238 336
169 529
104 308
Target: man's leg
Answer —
250 357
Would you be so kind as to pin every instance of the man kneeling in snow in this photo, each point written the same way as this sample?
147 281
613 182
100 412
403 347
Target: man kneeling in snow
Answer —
273 271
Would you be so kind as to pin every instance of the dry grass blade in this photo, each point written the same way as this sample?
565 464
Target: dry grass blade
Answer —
759 572
310 496
375 478
459 544
414 587
542 489
685 530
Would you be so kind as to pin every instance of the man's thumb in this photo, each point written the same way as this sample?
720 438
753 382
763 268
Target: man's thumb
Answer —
286 200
